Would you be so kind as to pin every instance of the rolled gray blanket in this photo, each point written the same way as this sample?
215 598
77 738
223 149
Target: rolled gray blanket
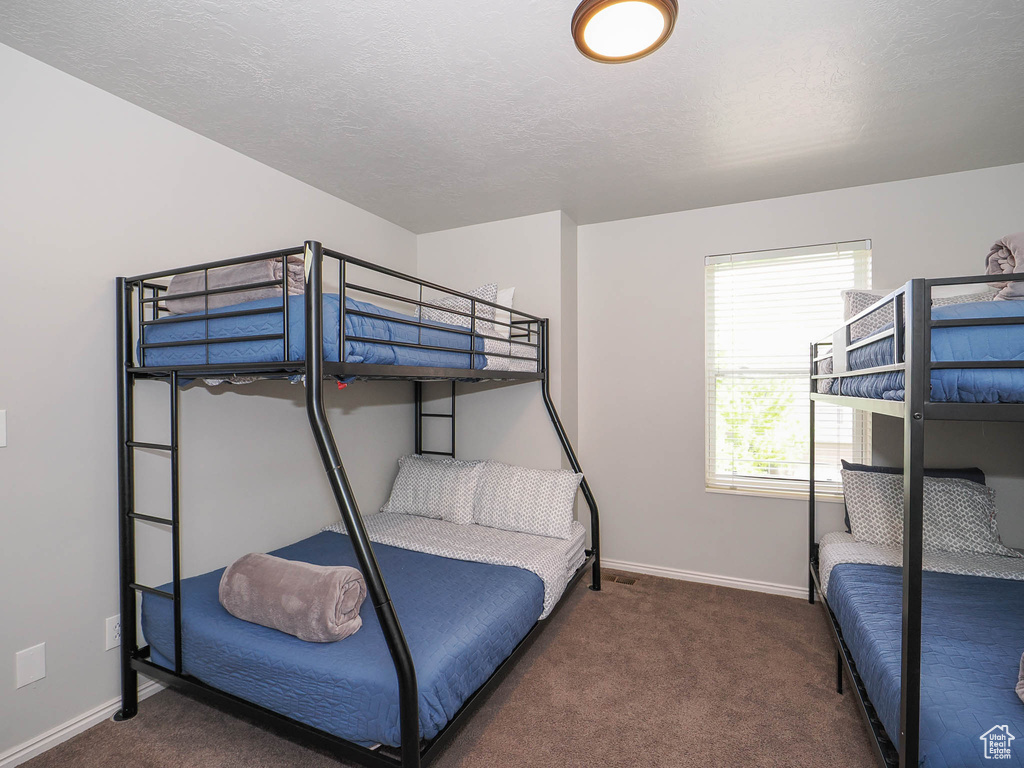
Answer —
313 602
1007 258
247 273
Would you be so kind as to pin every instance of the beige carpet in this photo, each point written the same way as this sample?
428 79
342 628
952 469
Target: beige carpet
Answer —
662 673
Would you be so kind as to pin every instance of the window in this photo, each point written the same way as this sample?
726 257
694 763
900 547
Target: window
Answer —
763 311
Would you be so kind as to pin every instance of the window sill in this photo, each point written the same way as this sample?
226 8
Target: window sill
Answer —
776 493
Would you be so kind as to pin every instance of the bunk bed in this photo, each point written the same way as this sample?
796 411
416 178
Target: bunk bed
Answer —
393 694
931 640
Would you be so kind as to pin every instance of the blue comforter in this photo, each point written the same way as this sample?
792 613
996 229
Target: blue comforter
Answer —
972 641
461 620
382 325
981 343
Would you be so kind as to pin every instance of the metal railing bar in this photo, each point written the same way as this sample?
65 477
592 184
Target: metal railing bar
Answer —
462 331
215 291
151 590
411 345
967 322
152 446
977 364
211 316
862 372
225 340
150 518
880 336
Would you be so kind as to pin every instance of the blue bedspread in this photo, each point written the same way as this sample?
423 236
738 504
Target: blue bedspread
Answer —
383 325
972 640
982 343
461 619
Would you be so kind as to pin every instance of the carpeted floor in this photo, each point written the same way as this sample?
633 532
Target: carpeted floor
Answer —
662 673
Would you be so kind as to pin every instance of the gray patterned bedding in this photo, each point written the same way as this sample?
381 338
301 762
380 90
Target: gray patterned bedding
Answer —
836 548
553 560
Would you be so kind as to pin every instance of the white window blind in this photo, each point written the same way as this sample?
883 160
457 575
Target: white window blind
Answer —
763 311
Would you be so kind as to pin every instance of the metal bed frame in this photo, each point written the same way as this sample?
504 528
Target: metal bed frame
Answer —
912 334
140 301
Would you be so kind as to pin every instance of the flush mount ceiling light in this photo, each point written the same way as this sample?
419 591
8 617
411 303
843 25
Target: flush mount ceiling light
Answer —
622 30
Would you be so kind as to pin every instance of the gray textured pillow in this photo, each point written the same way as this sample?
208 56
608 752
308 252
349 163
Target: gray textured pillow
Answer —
855 302
959 515
443 489
537 501
965 298
487 292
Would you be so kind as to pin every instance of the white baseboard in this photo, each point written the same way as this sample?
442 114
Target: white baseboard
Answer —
705 578
51 738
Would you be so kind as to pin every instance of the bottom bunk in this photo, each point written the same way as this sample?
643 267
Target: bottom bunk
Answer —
972 641
462 619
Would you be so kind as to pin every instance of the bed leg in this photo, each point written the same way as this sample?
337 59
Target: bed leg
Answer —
839 672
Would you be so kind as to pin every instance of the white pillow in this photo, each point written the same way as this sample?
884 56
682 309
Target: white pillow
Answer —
443 489
505 298
488 292
537 501
959 515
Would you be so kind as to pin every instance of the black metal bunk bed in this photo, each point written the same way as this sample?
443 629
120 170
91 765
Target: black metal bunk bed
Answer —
911 333
140 303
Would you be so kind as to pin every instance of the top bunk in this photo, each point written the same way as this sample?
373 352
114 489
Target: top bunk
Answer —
960 357
247 317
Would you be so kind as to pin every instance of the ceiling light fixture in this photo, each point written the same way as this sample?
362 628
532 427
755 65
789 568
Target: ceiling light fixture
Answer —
622 30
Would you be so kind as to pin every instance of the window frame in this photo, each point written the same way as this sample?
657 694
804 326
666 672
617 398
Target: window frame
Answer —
860 445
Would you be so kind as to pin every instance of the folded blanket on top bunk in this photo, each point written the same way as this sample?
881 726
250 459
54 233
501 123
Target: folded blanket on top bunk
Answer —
228 277
381 324
1007 258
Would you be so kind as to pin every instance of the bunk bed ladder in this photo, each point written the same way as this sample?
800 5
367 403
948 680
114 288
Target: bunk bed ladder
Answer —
420 416
127 516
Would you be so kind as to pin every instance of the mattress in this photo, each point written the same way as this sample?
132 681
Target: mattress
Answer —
980 343
384 324
461 619
972 640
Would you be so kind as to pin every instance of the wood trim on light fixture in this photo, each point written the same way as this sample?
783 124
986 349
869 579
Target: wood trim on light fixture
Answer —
589 8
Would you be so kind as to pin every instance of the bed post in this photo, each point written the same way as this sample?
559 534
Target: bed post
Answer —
917 390
125 501
570 454
397 645
810 493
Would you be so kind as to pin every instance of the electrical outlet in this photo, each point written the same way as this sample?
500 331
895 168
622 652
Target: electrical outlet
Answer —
113 632
30 665
3 429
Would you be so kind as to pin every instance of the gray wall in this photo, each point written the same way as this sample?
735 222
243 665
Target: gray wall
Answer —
537 255
91 188
641 397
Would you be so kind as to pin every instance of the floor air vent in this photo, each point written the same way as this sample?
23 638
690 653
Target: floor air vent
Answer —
623 580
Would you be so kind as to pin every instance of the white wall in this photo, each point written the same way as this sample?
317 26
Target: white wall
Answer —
537 255
641 394
92 187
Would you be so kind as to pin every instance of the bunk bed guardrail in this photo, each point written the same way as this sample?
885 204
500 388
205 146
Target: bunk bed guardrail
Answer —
515 339
911 330
141 300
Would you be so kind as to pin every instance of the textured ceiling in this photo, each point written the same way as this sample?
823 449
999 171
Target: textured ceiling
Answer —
441 113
